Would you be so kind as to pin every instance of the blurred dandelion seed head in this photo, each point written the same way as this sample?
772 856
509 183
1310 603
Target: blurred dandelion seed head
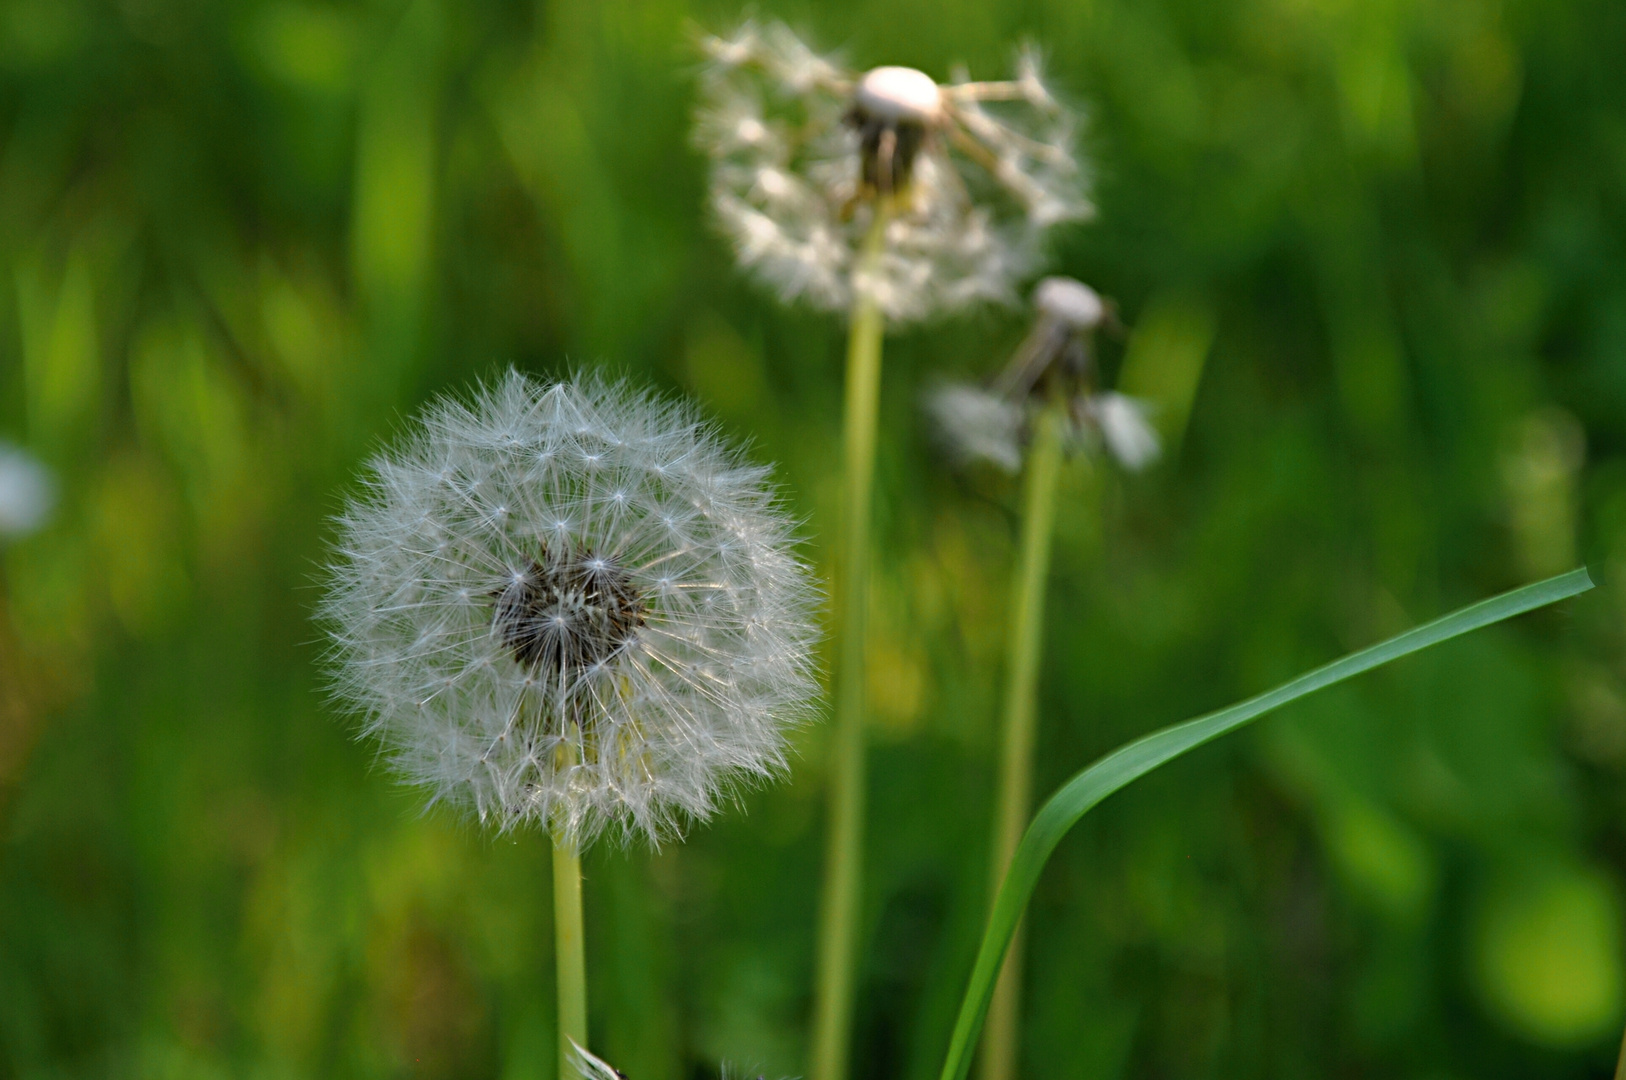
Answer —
1055 361
572 605
27 494
803 152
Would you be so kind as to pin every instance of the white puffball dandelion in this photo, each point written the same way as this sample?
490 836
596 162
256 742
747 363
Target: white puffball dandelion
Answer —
1054 362
573 605
27 494
801 150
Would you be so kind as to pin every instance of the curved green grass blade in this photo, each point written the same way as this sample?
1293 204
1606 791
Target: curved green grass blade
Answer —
1136 759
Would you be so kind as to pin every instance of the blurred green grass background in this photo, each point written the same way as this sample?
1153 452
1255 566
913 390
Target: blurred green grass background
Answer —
1372 256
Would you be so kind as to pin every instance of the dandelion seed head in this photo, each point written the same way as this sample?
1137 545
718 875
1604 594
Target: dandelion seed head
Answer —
618 649
801 150
27 494
1053 363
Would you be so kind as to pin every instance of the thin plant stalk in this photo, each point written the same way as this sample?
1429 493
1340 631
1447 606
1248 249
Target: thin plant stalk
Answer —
1001 1041
843 862
569 943
1130 762
1620 1063
570 954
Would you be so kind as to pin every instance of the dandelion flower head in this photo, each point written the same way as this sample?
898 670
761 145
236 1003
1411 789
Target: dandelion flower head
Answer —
572 605
1056 360
803 152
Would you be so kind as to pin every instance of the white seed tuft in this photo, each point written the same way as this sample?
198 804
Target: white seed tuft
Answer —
27 494
572 605
1069 301
975 424
899 95
1128 434
590 1066
801 150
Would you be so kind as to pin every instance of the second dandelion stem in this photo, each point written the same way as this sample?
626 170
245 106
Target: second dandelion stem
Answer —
839 904
1001 1041
569 953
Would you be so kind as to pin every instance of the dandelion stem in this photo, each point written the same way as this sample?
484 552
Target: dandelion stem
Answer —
1001 1043
570 953
838 915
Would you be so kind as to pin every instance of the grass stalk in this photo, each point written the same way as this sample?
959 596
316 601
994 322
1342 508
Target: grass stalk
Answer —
844 851
1013 803
570 953
1132 761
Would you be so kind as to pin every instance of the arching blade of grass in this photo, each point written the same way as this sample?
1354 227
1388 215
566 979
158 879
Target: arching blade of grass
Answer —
1131 762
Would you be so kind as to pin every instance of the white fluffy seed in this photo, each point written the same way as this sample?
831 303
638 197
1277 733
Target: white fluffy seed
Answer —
26 492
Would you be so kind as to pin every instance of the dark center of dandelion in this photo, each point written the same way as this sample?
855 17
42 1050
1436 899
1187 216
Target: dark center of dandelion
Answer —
887 152
565 614
893 108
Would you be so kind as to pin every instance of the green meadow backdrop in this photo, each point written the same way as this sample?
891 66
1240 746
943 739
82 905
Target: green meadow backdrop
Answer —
1372 258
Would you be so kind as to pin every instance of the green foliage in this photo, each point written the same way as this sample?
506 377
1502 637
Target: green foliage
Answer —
1127 764
1371 258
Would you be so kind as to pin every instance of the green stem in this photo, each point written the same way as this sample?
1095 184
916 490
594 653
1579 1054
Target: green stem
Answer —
838 912
1001 1043
570 954
1620 1063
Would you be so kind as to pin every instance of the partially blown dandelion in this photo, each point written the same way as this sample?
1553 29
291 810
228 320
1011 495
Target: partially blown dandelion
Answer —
805 155
891 197
572 605
1053 366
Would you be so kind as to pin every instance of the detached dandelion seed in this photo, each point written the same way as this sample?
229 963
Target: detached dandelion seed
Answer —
969 176
27 494
589 1066
571 605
